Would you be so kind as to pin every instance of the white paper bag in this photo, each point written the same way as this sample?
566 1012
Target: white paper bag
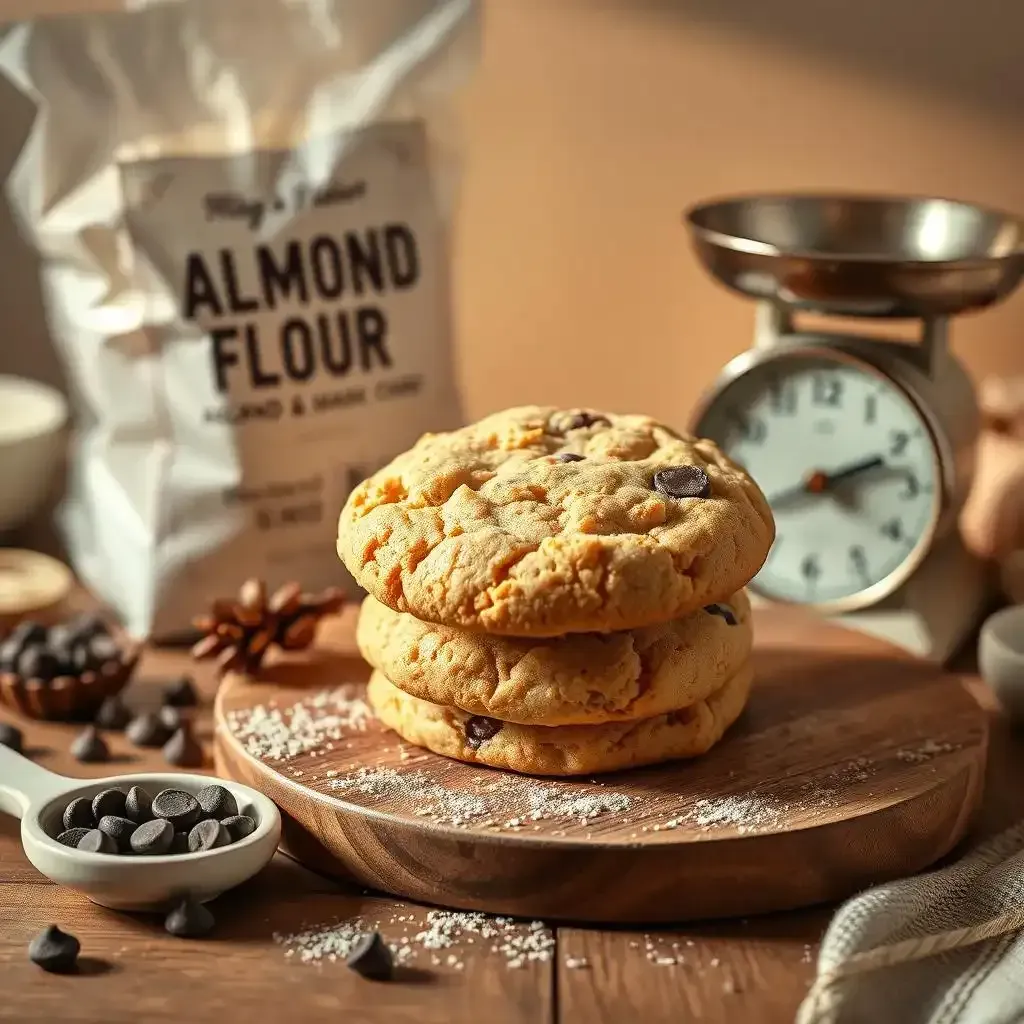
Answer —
242 211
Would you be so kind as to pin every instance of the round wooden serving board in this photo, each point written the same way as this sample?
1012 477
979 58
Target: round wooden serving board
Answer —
853 764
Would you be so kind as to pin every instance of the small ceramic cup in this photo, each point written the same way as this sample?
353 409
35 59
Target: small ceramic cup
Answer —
1001 658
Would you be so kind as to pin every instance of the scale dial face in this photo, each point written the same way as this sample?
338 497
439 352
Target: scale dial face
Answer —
849 467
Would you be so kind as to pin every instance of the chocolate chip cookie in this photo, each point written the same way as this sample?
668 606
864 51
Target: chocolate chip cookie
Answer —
541 521
561 749
579 679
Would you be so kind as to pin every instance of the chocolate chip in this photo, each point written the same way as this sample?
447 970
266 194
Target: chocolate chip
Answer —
110 801
208 835
119 829
724 610
181 693
38 663
153 838
85 627
217 802
103 649
71 836
97 841
78 814
479 729
90 747
54 950
138 806
371 958
9 651
59 642
177 807
170 718
183 750
28 633
569 457
147 731
239 826
113 714
583 419
189 920
179 844
683 482
11 737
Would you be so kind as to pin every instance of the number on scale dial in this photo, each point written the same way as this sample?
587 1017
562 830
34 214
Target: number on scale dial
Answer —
848 466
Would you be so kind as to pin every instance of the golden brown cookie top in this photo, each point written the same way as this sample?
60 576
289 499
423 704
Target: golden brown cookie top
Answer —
538 521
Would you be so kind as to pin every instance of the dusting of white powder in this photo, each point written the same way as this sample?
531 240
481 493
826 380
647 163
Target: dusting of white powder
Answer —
517 943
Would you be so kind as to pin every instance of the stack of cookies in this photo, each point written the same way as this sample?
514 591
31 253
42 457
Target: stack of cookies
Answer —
558 592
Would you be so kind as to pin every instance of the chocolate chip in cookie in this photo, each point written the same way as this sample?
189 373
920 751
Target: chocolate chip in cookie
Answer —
724 610
569 457
583 419
480 728
683 482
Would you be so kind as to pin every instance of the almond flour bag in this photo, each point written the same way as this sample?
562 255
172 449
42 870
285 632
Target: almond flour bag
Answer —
242 210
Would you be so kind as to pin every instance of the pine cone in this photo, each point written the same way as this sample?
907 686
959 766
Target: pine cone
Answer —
240 632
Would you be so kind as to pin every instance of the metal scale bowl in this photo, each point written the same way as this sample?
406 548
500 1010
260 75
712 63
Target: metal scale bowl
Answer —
860 257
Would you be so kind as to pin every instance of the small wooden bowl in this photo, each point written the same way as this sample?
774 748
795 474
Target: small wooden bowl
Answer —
69 698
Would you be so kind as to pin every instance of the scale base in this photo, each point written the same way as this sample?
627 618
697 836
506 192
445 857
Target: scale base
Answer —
936 612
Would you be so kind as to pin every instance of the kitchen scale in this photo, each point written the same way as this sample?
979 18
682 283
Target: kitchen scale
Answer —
863 444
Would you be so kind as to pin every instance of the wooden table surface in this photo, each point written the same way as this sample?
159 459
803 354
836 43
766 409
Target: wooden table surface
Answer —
751 970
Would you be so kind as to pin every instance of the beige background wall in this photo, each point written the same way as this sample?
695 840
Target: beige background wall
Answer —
592 124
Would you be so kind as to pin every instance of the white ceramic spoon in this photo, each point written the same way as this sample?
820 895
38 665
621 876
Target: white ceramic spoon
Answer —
38 797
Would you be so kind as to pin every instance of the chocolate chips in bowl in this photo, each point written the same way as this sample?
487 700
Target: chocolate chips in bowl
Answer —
64 672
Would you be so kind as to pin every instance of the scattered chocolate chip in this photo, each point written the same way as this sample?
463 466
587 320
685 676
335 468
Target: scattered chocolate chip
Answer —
239 826
90 747
153 838
113 714
189 920
170 718
479 728
683 482
724 610
177 807
78 814
120 831
183 749
138 806
11 737
38 663
181 693
217 802
208 835
72 836
97 841
54 950
147 731
110 801
179 844
372 958
569 457
586 419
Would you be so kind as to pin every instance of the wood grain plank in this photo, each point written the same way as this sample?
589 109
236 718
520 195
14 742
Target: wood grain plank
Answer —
134 971
755 971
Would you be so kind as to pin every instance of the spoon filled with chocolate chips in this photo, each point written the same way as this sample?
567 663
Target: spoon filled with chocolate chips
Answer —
137 842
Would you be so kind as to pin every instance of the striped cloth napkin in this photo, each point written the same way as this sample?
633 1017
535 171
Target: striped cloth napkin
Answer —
938 948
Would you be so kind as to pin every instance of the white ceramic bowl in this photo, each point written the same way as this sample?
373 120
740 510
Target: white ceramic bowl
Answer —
1001 658
33 418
